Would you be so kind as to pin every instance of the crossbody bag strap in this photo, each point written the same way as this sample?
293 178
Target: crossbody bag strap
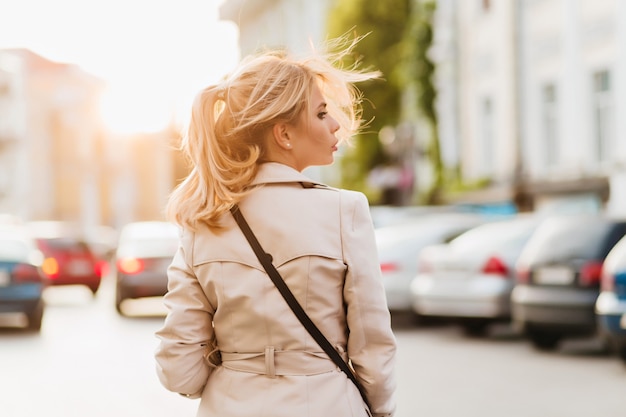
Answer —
306 321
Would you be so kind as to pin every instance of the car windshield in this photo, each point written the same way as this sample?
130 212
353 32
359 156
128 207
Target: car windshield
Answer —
493 236
560 239
67 245
149 248
149 240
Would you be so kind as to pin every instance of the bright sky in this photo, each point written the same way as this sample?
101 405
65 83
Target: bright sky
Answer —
154 54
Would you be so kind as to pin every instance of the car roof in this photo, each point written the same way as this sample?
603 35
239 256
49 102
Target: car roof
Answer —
148 229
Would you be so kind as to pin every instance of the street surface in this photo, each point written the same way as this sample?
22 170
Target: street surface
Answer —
90 362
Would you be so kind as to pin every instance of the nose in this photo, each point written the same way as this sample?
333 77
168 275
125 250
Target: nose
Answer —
334 127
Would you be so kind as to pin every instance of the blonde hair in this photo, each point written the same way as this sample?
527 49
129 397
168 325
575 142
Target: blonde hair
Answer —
225 140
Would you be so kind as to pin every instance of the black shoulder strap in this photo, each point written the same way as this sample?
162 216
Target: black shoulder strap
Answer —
306 321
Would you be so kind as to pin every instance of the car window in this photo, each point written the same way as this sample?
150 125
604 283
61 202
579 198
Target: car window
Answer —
147 231
148 248
68 245
559 239
492 236
150 239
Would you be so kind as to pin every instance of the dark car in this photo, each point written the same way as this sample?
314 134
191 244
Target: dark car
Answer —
611 303
144 252
69 260
22 281
558 277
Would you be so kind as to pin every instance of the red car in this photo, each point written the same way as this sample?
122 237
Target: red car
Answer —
68 259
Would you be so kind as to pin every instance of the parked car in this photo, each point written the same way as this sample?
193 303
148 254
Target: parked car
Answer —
399 244
385 215
68 258
469 280
558 277
611 303
103 241
22 280
144 252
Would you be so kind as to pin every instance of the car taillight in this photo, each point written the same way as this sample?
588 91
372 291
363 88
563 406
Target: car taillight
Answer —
494 265
101 268
23 273
590 273
387 267
130 265
50 267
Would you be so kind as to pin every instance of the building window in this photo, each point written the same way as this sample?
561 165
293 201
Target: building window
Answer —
550 125
487 135
602 116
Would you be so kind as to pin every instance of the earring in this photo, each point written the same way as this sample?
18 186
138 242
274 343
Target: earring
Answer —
289 145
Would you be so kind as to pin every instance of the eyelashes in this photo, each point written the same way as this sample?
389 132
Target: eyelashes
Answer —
322 114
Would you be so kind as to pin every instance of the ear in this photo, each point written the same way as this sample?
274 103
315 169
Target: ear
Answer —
280 132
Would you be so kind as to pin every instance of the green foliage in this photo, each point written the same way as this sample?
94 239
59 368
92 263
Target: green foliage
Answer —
419 71
399 36
384 23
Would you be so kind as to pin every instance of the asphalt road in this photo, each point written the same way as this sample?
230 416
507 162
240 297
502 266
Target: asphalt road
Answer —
90 362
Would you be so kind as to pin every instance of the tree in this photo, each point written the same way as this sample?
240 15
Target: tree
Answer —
384 24
418 73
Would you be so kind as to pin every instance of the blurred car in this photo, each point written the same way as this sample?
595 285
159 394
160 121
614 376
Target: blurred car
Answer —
399 244
558 277
103 241
22 281
469 281
611 303
385 215
144 252
68 259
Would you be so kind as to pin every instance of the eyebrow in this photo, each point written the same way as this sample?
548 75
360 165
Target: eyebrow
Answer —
322 105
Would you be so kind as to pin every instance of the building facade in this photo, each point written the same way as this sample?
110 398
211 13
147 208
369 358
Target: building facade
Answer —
59 162
538 85
49 132
573 79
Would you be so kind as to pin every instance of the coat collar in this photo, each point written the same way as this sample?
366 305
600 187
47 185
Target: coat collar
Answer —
274 172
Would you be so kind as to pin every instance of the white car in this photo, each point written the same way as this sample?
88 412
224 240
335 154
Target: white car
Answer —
144 252
470 279
399 246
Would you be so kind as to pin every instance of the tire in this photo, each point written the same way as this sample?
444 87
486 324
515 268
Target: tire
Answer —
94 291
543 340
35 318
120 296
475 328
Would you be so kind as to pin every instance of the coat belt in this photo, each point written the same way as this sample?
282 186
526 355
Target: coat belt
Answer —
273 362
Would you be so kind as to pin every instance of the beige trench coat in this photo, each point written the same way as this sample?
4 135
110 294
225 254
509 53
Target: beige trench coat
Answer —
322 242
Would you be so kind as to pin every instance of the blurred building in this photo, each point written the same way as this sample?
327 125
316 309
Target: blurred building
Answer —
291 24
530 91
58 161
49 136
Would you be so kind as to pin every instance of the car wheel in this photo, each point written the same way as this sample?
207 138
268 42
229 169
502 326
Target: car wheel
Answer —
543 340
120 296
35 318
475 328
